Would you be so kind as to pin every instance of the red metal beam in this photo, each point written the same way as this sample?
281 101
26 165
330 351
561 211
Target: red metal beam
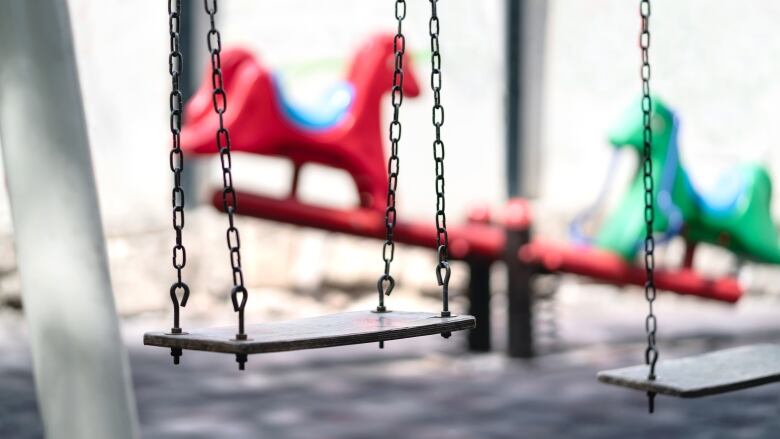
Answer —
486 241
482 240
609 268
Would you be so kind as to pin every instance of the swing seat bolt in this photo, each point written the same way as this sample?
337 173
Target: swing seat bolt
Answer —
176 354
446 334
241 359
446 314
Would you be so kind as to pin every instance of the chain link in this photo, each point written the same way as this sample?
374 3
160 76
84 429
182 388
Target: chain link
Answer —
229 198
651 323
442 238
386 283
176 162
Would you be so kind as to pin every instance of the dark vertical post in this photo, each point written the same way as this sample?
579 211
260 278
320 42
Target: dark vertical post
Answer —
192 47
525 32
479 299
520 295
526 23
519 289
514 69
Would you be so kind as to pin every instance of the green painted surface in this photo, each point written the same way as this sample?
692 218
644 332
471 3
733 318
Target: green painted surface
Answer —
735 215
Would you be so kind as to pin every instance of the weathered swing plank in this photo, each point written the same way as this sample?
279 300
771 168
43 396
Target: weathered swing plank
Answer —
317 332
704 375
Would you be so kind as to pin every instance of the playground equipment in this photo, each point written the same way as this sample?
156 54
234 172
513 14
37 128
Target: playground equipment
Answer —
264 121
378 325
340 130
346 135
352 140
735 214
746 205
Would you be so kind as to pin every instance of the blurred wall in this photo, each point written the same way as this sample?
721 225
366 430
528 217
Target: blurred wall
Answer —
712 61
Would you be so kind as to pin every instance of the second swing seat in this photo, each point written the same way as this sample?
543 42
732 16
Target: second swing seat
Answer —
316 332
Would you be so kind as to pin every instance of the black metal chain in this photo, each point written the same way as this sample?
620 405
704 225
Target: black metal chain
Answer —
651 323
229 198
176 162
442 238
386 283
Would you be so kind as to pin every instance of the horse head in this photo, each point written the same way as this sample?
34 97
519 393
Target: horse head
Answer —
373 66
251 97
629 131
232 60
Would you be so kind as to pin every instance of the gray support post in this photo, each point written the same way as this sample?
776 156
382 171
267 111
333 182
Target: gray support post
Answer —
525 41
514 69
192 47
526 27
520 315
479 300
80 364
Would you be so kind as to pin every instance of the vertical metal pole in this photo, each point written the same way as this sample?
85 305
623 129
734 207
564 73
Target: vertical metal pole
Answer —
479 299
525 36
520 316
514 69
525 27
191 42
80 364
519 288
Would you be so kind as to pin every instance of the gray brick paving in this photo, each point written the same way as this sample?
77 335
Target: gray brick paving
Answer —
421 389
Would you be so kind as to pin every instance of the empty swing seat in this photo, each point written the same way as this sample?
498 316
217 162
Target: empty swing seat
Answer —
704 375
316 332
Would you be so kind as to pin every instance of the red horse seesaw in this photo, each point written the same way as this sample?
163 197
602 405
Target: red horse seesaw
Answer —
343 131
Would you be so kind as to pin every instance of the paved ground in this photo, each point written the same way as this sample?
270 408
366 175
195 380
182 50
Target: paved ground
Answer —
429 388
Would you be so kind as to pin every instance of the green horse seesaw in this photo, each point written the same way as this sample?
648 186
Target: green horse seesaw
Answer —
734 214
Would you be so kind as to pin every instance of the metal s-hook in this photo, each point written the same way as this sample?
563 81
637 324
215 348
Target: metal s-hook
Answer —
176 304
239 308
443 273
443 279
384 286
176 330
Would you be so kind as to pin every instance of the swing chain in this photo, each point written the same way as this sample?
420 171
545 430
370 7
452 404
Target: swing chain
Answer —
176 162
229 198
386 283
651 323
442 238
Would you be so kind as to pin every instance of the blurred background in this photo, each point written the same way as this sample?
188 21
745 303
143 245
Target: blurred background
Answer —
712 63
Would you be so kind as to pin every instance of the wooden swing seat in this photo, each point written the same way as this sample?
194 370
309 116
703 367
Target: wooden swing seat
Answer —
704 375
326 331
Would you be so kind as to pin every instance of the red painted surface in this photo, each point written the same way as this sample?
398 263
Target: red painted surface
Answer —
518 214
469 240
610 268
258 125
257 122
